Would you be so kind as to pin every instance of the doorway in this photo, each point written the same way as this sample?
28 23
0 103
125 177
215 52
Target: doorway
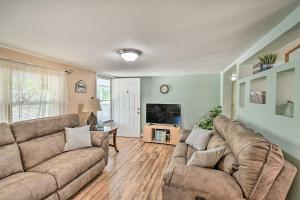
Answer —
126 106
233 100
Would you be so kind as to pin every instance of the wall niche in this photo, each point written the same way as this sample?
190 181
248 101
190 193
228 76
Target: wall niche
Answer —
258 91
242 95
285 92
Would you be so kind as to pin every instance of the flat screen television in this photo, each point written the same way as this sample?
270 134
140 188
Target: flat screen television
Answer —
163 113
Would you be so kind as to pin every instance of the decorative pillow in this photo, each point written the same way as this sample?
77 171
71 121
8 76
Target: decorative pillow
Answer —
198 138
207 158
77 138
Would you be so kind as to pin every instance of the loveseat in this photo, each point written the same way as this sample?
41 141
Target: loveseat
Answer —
33 165
252 168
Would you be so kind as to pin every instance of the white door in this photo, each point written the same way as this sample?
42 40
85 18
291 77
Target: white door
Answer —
126 106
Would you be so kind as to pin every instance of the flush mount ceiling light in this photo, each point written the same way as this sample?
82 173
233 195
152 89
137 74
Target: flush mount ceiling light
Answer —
129 55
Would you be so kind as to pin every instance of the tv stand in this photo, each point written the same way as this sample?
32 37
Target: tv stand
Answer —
160 133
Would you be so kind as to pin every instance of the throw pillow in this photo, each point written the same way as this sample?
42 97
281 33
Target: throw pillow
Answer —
198 138
77 138
207 158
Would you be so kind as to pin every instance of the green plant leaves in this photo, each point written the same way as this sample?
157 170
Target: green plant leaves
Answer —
207 121
270 58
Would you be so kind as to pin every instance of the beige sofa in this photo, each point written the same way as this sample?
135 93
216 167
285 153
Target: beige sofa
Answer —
252 168
33 165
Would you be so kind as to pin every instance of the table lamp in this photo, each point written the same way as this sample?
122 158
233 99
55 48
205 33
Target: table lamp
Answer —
92 105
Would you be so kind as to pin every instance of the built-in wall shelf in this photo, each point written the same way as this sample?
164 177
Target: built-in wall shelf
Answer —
242 95
258 90
274 89
285 92
278 68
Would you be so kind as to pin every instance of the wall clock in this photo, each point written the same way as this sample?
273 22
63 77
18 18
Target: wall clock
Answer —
164 89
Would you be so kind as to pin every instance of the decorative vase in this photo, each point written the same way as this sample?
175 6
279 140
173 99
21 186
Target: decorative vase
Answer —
157 135
289 111
267 66
92 121
163 136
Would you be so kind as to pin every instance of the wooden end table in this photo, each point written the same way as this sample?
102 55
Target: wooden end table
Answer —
112 131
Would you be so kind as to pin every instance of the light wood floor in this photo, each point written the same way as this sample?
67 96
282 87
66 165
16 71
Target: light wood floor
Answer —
133 173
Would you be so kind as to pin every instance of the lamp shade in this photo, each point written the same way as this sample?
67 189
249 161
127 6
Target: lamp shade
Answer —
92 105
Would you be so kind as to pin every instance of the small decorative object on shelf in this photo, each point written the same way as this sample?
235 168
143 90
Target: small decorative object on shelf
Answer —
257 68
163 135
100 126
266 62
157 135
258 97
289 111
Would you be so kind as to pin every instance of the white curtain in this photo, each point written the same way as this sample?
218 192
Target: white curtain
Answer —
29 92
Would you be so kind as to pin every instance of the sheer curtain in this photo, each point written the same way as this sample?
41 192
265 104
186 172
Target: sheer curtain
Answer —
28 92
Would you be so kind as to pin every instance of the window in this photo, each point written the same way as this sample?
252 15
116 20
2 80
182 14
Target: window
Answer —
104 94
28 92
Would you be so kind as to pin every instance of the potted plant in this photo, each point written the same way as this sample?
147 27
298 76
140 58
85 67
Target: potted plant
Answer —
268 60
207 121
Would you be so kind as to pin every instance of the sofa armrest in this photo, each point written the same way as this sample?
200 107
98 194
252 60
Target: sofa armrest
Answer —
184 133
215 184
98 138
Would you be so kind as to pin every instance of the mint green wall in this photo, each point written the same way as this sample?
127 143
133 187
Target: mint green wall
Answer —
197 94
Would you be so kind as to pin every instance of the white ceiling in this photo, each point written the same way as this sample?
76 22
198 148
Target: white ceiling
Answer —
177 36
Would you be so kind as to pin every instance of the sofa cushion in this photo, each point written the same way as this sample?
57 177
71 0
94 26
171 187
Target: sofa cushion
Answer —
283 182
212 184
217 141
10 160
27 186
184 133
53 196
6 136
67 166
228 164
190 151
221 124
178 161
98 138
260 161
74 186
180 150
41 149
30 129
